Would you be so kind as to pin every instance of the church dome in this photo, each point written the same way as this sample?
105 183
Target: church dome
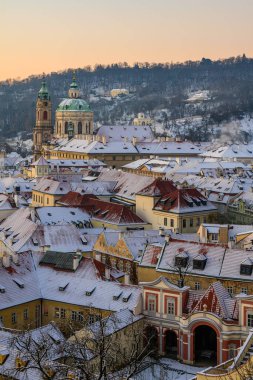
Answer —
73 104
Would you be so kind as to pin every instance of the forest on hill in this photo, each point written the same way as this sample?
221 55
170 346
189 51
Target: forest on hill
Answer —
162 90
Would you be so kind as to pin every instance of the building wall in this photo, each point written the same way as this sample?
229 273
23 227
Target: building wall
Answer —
86 118
144 209
40 199
146 274
26 315
227 334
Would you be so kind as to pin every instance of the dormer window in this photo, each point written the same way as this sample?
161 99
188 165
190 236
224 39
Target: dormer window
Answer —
199 262
246 267
181 260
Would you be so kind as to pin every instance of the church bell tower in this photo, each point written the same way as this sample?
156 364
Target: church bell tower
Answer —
42 132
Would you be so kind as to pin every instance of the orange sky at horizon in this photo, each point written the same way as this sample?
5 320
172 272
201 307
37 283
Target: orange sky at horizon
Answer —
60 34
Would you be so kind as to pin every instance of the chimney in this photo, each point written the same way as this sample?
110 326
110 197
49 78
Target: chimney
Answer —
127 279
161 231
76 260
16 200
104 140
107 273
121 234
167 238
134 141
6 260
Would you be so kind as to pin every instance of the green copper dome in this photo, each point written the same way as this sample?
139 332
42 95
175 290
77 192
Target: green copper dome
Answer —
43 92
73 104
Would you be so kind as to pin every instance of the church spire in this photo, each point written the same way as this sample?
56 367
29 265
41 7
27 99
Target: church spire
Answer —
73 90
43 93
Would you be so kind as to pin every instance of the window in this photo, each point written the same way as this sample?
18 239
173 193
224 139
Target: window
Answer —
191 222
93 318
172 222
1 319
63 313
246 269
25 314
37 316
244 290
230 290
80 316
198 222
66 128
181 261
184 223
165 221
80 128
171 306
45 115
250 320
151 303
13 318
197 286
199 263
74 315
214 237
57 312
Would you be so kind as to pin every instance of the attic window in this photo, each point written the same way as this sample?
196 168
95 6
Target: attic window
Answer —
126 297
35 241
49 214
63 287
181 260
2 289
19 283
90 291
84 240
246 269
116 296
72 213
199 263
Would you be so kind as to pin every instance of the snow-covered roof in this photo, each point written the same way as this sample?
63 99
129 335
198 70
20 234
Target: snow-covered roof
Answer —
240 151
49 333
62 215
50 186
124 132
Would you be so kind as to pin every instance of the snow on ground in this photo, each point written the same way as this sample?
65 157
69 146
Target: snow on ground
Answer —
199 96
168 369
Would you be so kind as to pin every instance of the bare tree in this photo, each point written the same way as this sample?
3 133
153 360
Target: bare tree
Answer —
98 351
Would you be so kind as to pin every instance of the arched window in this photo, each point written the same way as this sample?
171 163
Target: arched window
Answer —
38 115
79 128
66 127
45 115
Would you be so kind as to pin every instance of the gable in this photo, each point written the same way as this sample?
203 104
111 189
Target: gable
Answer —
120 249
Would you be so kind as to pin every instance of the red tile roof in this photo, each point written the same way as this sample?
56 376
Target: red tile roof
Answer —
158 188
75 199
181 198
111 212
215 300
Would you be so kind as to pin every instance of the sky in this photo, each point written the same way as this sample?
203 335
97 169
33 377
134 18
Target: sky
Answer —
52 35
